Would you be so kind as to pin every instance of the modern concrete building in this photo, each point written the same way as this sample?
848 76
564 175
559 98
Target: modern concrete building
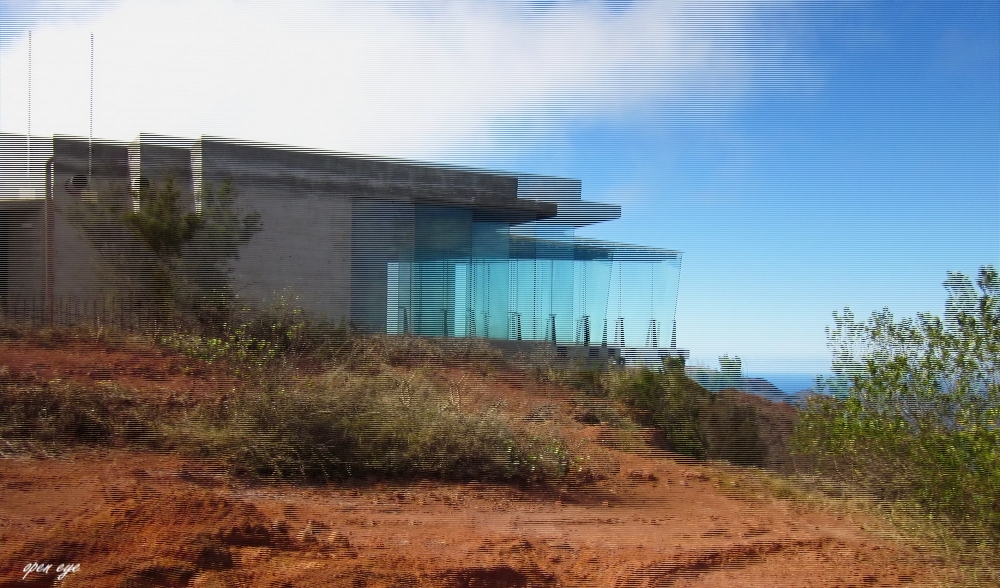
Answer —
383 245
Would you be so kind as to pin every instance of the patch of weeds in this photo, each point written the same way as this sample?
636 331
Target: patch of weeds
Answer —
345 425
10 331
51 338
966 549
364 352
62 413
600 411
256 342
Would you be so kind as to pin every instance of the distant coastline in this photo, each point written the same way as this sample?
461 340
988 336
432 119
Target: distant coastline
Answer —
789 387
789 383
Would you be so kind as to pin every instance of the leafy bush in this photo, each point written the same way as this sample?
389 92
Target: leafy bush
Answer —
176 259
921 418
160 221
664 401
251 340
694 421
732 431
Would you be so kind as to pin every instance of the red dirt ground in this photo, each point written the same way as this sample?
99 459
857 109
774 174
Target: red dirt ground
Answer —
638 518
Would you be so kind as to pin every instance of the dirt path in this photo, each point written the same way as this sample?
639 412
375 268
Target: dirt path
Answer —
632 519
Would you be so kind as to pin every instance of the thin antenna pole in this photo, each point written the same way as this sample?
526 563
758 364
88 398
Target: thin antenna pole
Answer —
90 137
1 84
27 167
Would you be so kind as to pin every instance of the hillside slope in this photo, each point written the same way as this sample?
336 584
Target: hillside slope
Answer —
625 515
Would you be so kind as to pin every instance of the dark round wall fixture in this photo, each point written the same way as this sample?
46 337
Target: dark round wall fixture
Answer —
76 184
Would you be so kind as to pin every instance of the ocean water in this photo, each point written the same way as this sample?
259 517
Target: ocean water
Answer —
789 383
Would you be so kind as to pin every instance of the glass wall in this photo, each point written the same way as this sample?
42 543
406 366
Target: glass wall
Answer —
541 292
456 282
643 297
382 251
463 277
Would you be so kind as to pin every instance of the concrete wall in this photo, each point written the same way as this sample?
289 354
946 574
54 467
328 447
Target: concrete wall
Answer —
330 223
355 176
303 248
95 256
22 249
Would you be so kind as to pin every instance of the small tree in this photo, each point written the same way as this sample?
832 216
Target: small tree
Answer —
193 250
160 222
921 417
208 258
164 227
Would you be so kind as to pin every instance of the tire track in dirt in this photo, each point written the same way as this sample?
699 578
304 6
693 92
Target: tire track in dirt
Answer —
696 563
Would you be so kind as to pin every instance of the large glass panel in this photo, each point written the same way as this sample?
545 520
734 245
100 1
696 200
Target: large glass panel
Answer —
463 294
592 276
399 297
559 265
443 237
631 301
526 291
670 272
381 233
489 280
643 297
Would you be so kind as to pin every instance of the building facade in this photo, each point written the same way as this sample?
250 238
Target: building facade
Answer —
382 245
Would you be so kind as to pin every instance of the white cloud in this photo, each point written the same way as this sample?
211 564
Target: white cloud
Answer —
408 79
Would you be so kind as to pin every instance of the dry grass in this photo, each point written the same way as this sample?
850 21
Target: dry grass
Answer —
371 413
344 424
52 415
972 554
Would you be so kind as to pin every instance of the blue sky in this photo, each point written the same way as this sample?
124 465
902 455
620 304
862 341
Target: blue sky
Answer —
805 156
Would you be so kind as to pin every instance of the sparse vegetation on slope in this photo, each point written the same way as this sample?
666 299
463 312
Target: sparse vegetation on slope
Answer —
371 412
63 413
920 422
341 425
693 421
358 415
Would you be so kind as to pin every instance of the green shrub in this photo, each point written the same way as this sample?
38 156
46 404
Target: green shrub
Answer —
662 400
732 431
253 340
694 421
921 419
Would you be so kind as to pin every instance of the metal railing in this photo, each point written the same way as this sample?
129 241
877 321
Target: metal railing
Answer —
123 314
